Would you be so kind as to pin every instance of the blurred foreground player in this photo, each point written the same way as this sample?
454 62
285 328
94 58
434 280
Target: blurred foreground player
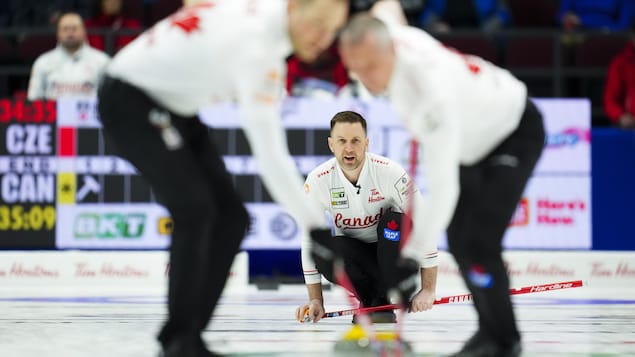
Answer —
481 139
366 195
148 104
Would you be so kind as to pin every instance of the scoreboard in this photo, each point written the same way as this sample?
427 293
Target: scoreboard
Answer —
27 177
62 185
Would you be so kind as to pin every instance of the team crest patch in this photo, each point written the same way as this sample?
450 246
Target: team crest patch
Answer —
480 277
338 198
391 235
392 232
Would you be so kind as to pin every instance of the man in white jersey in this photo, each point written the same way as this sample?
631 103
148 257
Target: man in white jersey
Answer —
365 195
481 139
73 68
148 104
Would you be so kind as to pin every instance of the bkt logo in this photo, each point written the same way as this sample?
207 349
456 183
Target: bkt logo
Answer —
109 225
568 137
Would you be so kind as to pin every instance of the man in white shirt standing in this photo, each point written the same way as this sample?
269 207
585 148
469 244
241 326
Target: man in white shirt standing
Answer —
366 195
73 68
148 104
481 139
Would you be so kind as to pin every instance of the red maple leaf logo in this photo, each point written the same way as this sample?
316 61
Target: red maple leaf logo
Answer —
188 19
477 268
392 225
474 68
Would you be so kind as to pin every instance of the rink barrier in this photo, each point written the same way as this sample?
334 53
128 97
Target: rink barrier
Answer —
150 268
143 269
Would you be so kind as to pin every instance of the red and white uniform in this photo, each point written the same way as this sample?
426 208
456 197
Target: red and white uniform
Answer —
57 73
356 209
246 65
459 108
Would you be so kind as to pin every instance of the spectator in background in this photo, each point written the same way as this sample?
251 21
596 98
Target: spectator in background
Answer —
324 76
73 68
110 15
36 13
441 16
612 15
619 91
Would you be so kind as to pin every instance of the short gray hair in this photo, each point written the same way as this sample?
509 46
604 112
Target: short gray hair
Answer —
363 24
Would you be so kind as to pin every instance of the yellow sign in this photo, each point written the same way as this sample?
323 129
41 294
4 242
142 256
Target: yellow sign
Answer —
166 225
66 188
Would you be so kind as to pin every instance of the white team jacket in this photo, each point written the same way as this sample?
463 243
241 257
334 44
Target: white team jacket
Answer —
225 51
459 108
356 209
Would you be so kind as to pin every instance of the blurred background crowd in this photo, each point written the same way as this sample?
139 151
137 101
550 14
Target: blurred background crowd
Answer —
560 48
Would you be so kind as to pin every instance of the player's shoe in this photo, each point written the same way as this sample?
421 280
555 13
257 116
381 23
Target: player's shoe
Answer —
186 347
481 346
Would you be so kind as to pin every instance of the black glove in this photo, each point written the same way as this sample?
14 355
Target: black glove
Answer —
403 280
323 252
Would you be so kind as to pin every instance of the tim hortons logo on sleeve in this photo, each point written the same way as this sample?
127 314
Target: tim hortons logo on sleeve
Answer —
404 186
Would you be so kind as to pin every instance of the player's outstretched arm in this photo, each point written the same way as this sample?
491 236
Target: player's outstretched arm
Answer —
314 309
424 299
